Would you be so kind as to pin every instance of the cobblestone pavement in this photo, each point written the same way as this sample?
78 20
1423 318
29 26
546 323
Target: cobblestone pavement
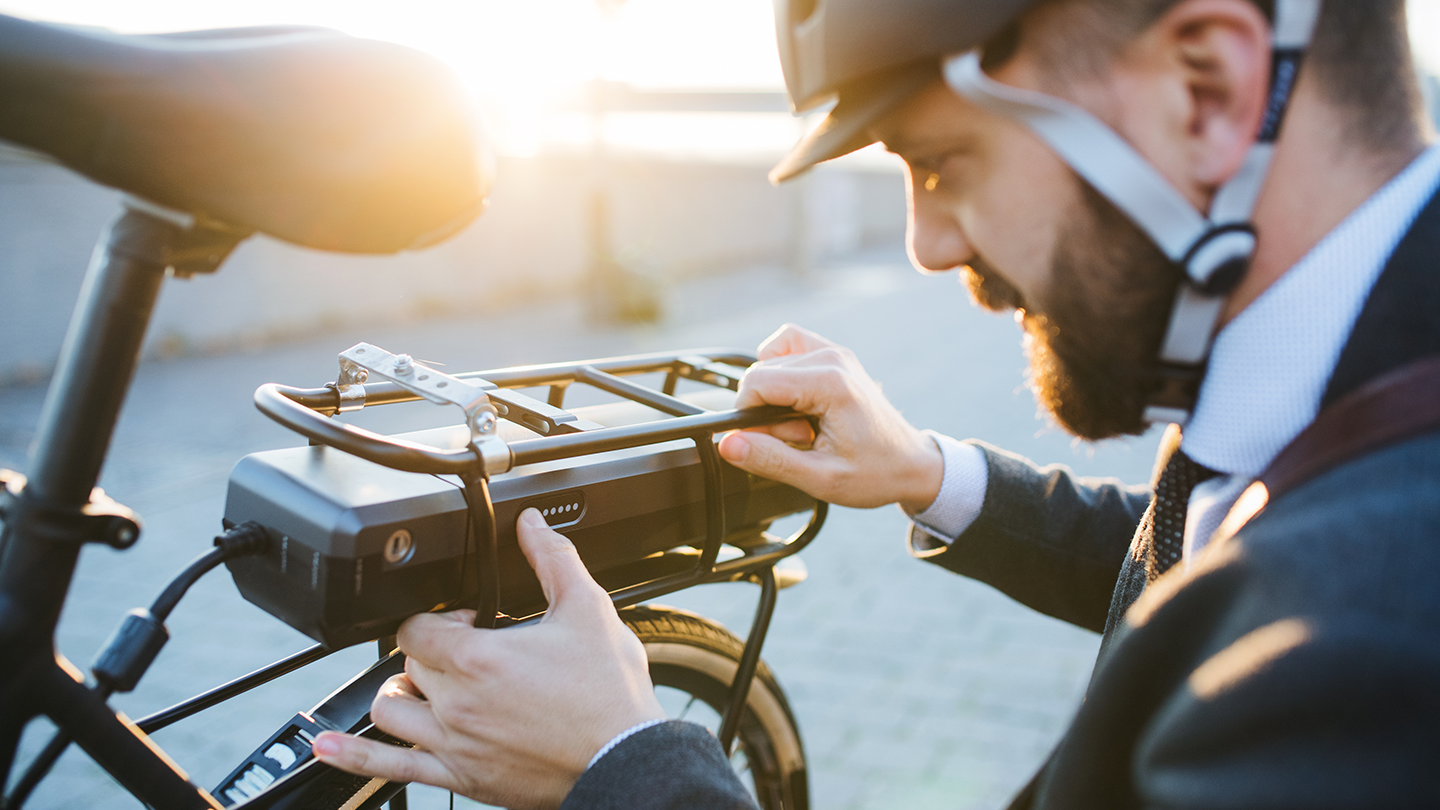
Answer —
914 688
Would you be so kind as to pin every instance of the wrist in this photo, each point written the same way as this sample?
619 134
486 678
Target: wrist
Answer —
622 737
927 474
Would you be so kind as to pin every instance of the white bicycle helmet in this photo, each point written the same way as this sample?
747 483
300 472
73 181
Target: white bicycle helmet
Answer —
872 55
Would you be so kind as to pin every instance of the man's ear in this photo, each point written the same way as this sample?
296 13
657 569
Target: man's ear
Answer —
1208 62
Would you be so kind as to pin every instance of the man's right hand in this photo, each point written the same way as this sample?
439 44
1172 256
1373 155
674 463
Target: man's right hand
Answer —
863 454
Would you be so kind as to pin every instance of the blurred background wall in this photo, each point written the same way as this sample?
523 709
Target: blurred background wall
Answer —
665 220
634 138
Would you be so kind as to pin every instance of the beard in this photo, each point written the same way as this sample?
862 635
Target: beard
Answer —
1093 341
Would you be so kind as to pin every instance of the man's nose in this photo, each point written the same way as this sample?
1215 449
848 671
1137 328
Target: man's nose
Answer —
935 240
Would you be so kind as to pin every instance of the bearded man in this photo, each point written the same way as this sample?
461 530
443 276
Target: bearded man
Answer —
1220 214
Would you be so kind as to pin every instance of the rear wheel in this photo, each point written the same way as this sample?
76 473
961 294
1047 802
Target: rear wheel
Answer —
693 661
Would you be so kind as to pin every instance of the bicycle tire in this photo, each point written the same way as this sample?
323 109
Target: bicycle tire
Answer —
699 657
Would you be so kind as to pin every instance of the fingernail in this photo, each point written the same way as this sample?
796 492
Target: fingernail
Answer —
533 518
735 447
326 746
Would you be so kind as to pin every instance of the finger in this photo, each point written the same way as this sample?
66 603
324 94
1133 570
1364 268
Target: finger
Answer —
426 680
396 710
403 683
557 565
796 431
371 758
432 638
807 389
768 457
791 339
463 616
761 385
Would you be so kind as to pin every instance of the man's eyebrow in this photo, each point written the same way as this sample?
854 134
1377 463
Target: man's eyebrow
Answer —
898 144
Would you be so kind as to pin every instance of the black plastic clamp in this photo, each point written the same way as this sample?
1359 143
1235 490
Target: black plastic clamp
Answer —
102 520
1224 254
130 650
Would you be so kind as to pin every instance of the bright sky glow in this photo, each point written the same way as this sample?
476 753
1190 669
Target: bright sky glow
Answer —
1425 32
520 56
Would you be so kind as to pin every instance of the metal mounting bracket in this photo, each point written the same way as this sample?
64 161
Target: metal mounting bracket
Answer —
349 386
358 362
705 370
102 520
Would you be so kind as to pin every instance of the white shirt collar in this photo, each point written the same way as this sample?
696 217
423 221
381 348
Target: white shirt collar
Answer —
1270 365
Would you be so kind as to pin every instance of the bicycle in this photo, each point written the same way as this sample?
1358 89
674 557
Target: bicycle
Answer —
649 503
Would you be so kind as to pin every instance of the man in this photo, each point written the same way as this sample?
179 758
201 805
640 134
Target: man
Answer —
1094 167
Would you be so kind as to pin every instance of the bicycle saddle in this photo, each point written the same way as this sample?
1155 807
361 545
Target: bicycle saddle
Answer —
305 134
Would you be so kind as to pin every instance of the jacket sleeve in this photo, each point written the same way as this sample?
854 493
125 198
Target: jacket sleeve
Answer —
1046 538
670 766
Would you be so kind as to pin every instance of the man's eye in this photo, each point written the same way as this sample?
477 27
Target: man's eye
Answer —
930 165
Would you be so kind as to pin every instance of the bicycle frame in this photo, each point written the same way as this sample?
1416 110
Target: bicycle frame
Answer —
51 515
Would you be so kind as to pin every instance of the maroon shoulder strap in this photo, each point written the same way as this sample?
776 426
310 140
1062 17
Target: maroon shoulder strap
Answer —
1390 408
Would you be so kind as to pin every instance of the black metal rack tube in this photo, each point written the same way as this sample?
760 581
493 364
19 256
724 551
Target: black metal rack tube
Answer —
324 400
620 386
721 572
749 660
481 514
174 714
275 401
715 532
550 448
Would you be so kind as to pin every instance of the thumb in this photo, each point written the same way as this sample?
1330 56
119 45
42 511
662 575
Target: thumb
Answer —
768 457
557 565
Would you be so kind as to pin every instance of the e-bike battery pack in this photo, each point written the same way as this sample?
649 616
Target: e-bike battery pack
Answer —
357 547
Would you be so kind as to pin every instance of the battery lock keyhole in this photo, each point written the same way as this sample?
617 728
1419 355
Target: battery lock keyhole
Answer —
399 547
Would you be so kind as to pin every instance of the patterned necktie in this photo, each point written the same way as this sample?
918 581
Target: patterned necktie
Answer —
1172 501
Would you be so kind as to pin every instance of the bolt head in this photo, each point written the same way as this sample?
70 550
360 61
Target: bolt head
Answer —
124 535
485 422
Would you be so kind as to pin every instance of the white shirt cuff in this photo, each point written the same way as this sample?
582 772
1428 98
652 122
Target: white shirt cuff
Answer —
962 491
622 737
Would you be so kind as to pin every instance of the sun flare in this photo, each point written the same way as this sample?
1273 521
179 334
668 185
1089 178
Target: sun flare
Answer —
522 59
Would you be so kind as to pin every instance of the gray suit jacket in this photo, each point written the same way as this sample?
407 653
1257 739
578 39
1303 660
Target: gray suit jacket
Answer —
1296 664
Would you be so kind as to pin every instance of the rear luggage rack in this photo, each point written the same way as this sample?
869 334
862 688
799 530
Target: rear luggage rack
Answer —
361 542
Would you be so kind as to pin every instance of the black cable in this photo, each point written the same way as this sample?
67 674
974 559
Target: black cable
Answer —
241 541
245 539
168 598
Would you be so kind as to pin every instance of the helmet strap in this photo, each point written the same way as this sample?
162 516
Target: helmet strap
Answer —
1213 252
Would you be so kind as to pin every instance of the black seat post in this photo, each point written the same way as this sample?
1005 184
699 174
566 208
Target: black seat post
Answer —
50 518
97 361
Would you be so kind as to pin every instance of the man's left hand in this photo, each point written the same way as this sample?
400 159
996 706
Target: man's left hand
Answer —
512 716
